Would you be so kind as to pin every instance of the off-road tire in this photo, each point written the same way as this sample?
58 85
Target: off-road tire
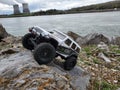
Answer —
70 63
44 53
26 41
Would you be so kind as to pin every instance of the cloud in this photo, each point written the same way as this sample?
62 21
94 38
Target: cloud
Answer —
53 4
20 1
61 4
12 2
36 5
5 9
9 2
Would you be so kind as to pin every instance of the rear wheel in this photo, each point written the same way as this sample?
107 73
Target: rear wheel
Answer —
70 63
44 53
27 42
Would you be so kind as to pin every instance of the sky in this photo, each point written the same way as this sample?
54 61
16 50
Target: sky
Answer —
37 5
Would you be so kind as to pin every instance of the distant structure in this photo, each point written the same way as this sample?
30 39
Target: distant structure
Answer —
16 9
25 8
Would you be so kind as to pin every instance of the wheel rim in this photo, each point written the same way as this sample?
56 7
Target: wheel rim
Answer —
44 54
71 64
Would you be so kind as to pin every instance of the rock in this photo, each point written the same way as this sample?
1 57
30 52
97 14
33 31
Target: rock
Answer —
118 89
80 41
73 35
95 38
5 37
103 46
90 39
9 51
21 71
3 32
102 56
11 42
116 41
12 39
18 45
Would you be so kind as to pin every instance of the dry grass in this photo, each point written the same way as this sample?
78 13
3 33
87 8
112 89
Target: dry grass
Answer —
104 76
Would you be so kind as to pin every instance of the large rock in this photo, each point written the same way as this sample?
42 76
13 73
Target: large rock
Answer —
73 35
95 39
20 71
117 41
9 51
3 32
89 39
12 40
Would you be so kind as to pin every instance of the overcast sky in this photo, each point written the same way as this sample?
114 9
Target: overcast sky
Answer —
36 5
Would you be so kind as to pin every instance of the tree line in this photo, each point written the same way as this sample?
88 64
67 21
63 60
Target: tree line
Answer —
113 5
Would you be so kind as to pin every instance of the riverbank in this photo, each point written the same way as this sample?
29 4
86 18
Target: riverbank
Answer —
18 69
92 65
107 23
32 14
12 15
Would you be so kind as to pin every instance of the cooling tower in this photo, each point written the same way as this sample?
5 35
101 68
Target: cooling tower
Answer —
16 9
25 8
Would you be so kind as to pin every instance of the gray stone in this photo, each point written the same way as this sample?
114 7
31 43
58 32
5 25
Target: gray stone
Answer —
117 41
3 32
105 58
95 38
90 39
103 46
118 89
9 51
21 71
73 35
12 40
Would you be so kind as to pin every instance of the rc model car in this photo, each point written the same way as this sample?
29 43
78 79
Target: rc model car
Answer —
46 45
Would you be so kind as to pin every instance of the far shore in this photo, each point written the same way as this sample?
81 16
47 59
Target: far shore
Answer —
31 14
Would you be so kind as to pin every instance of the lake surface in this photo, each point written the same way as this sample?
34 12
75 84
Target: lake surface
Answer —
107 23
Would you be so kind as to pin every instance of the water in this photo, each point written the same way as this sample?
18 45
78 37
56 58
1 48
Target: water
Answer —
107 23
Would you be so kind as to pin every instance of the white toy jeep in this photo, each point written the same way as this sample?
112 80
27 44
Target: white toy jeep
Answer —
48 45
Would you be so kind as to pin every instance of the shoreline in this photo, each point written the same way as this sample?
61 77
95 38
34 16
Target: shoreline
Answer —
92 62
89 11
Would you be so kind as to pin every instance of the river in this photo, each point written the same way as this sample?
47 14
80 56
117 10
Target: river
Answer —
107 23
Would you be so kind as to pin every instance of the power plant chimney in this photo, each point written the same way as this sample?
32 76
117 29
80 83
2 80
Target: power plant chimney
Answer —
25 8
16 9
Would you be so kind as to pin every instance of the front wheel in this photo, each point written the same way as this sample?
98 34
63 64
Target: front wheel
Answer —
44 53
27 42
70 63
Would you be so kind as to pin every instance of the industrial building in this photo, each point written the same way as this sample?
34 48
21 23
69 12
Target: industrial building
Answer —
24 6
16 9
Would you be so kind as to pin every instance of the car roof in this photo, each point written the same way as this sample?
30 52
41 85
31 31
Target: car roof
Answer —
67 37
39 29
